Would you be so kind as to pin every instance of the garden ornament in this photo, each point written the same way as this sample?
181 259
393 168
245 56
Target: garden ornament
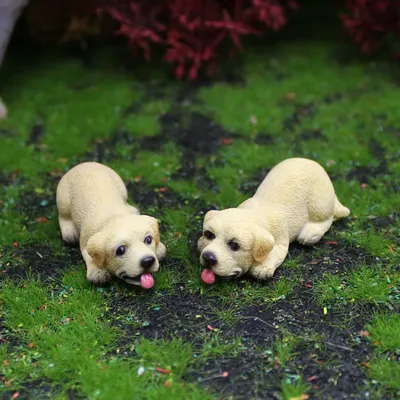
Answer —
295 202
115 240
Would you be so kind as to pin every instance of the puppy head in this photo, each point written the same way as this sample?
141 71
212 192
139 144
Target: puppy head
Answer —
127 247
232 242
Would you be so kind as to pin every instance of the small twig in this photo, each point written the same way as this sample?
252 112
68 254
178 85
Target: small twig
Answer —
39 254
258 319
214 377
338 345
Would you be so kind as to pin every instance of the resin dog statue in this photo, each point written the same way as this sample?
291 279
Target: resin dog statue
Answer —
114 238
296 201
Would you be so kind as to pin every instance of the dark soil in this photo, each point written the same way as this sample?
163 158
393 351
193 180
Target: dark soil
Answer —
40 262
146 196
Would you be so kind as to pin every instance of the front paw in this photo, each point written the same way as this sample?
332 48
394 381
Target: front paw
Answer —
98 276
263 272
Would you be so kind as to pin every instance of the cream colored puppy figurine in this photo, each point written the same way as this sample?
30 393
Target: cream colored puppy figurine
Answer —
114 238
296 201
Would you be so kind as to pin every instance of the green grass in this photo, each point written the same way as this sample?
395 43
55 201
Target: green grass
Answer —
177 223
153 168
384 335
374 242
71 125
10 221
248 293
283 349
215 346
386 372
384 332
146 123
294 390
365 284
364 202
228 313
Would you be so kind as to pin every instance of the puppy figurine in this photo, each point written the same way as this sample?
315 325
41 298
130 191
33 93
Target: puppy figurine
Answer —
114 238
296 201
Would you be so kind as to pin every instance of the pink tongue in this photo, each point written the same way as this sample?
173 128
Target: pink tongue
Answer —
207 276
146 281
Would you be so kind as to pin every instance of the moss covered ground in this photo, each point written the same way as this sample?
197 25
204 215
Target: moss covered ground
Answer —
326 326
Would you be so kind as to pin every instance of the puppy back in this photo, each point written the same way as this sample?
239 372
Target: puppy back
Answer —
295 177
92 185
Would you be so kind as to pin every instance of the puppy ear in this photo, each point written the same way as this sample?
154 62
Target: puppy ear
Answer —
156 233
155 228
262 244
95 249
209 215
161 250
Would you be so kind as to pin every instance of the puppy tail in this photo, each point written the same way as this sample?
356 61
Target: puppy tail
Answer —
340 210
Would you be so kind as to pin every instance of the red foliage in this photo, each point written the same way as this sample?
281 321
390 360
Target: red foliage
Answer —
194 31
370 20
138 22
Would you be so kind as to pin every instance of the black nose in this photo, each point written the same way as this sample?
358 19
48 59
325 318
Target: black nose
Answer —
210 259
147 262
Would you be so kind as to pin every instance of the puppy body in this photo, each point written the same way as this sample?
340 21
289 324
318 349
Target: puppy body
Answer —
296 201
114 238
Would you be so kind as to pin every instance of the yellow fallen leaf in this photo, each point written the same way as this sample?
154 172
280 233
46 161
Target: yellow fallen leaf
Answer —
302 397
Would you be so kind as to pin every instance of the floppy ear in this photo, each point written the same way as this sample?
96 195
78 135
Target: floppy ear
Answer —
95 249
209 215
154 227
161 250
156 233
262 244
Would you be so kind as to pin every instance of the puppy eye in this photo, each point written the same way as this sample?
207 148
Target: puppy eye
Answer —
120 251
148 239
233 246
209 235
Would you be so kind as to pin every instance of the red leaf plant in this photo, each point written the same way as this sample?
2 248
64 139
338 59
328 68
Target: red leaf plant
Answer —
370 20
138 22
193 31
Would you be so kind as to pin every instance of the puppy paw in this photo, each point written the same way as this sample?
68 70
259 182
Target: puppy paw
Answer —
71 238
69 232
312 232
98 276
263 273
309 241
